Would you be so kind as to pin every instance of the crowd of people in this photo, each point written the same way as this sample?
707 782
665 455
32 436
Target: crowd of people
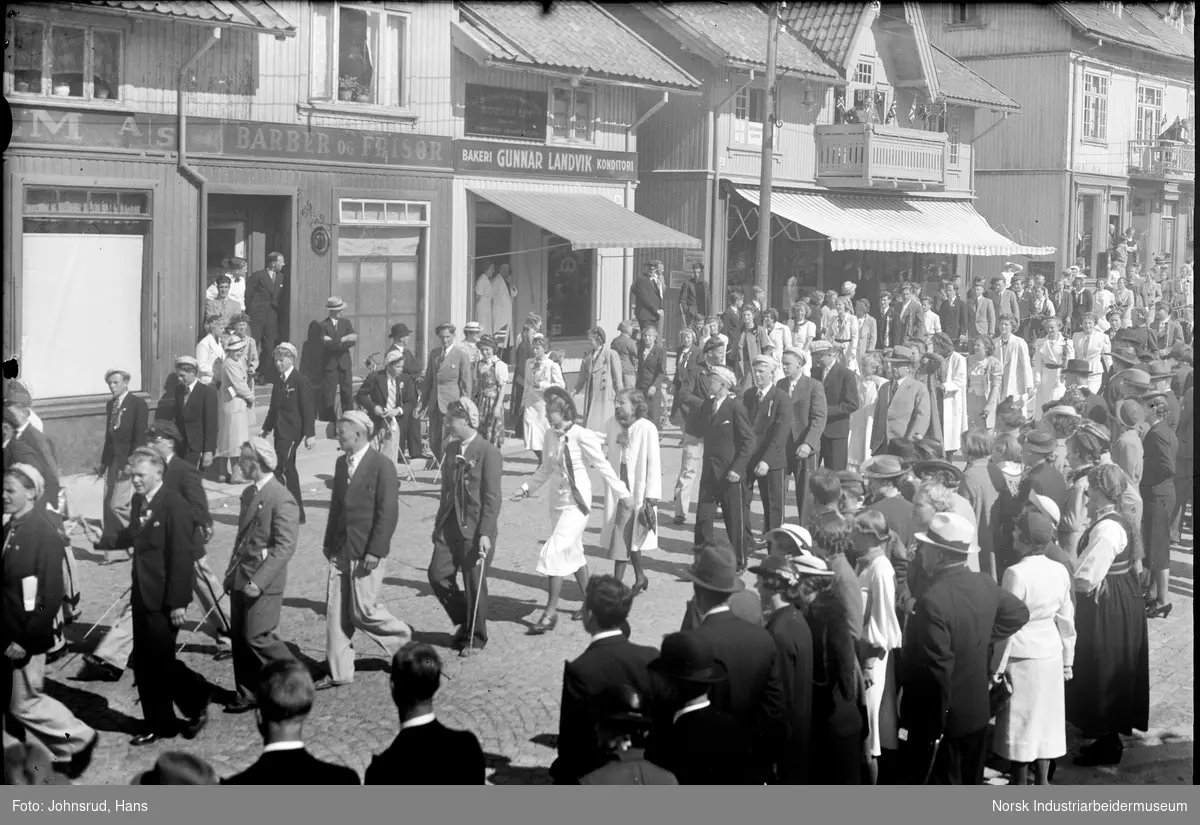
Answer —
985 491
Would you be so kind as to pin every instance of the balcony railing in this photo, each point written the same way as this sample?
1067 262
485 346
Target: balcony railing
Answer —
874 155
1162 158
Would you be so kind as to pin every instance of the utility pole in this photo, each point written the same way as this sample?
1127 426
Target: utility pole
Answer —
768 156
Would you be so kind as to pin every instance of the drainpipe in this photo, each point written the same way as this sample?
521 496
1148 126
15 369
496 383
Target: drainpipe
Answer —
186 169
628 254
1069 156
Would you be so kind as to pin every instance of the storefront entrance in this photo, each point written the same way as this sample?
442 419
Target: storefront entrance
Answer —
249 227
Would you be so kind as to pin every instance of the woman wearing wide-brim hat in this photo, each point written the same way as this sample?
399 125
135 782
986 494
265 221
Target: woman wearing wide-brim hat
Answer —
237 400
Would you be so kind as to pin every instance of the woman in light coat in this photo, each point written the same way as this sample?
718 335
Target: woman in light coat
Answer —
954 392
1050 355
1091 345
845 334
236 398
862 420
633 449
868 328
540 373
780 334
598 382
983 384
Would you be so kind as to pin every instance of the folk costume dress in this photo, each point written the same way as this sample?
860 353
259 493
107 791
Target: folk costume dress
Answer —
538 376
565 462
490 378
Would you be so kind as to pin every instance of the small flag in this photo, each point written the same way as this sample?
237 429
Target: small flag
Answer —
891 113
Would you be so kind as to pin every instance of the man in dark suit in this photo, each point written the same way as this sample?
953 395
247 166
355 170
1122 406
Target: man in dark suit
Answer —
887 321
410 425
425 752
284 698
257 573
753 693
701 744
263 292
689 360
291 417
809 414
693 296
770 412
622 722
1042 477
338 338
627 350
127 416
29 445
945 706
1157 488
389 397
646 298
450 376
728 442
651 373
732 325
466 525
611 660
195 413
363 513
161 534
841 397
953 314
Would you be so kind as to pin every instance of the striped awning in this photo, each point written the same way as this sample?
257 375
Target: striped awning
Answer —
588 221
895 224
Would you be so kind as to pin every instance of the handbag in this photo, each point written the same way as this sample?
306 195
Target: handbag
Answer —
1000 690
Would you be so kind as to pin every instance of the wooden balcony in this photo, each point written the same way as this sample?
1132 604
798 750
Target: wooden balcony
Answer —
1162 159
878 156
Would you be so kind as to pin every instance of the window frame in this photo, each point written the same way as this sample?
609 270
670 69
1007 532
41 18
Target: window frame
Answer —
740 125
572 114
116 96
1140 105
332 39
422 207
973 16
1100 119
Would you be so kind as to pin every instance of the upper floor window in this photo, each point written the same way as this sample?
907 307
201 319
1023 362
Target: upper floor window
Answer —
1095 106
748 109
369 212
1149 112
949 122
573 114
962 14
864 73
73 61
359 54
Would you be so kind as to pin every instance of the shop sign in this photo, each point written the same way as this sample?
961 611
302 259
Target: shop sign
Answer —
491 111
532 160
205 136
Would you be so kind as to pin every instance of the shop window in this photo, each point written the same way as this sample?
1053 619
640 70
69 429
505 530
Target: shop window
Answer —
65 61
359 55
573 114
1149 112
380 277
748 106
569 290
83 259
1095 106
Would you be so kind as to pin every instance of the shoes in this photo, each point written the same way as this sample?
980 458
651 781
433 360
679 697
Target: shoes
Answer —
680 520
97 670
544 625
79 762
1158 611
191 727
143 739
640 586
242 704
327 683
577 616
55 655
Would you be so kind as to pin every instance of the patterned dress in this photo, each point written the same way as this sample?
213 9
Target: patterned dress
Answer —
490 379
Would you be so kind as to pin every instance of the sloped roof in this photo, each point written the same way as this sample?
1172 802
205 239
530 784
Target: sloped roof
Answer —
830 28
959 83
258 15
1138 26
738 32
576 37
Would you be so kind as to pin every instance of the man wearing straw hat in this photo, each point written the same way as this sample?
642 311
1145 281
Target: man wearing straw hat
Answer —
841 400
770 412
291 417
466 525
807 425
256 577
945 705
728 442
909 408
448 377
337 339
389 397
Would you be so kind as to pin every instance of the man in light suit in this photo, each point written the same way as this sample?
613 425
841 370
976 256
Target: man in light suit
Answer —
909 408
195 413
448 378
128 416
981 312
770 412
363 513
292 417
464 531
257 574
841 396
338 338
807 425
728 442
263 292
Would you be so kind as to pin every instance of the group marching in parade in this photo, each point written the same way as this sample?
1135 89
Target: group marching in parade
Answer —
986 489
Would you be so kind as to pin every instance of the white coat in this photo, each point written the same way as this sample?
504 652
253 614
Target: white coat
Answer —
645 478
1050 381
1016 370
954 404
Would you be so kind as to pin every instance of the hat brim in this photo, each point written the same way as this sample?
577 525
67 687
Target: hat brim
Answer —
1039 449
925 538
882 475
709 676
737 586
922 466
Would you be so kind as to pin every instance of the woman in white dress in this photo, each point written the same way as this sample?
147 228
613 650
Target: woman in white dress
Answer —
983 384
1102 300
540 373
954 393
862 420
236 397
503 294
803 330
880 634
868 328
1050 355
845 334
483 300
1032 727
779 333
570 452
598 382
1092 345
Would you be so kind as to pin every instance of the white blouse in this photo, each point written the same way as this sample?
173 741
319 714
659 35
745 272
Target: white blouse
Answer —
881 628
1106 542
1044 586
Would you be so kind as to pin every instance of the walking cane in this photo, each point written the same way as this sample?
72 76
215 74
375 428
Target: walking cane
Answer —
192 632
75 655
466 651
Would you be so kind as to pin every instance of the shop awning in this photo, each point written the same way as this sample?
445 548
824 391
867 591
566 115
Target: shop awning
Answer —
588 221
895 224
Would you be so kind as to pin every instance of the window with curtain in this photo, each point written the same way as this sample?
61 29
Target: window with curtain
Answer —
359 55
572 115
64 61
1149 112
1095 106
747 117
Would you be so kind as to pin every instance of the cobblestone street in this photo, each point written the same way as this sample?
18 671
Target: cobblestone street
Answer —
507 694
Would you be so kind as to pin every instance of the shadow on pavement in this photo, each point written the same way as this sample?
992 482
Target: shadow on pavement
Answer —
305 604
504 772
93 709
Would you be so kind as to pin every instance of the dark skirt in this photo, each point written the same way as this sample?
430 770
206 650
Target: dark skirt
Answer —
1158 505
1110 687
836 760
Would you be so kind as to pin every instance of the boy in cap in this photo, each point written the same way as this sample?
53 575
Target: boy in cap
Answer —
195 414
389 397
337 339
291 417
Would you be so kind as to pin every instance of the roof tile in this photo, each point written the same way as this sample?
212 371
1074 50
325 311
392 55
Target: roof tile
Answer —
257 14
829 27
573 36
1139 25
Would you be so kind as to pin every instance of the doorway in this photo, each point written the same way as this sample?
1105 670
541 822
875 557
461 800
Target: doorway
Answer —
249 227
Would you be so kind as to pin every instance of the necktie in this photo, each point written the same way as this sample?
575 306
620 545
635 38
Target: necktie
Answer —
391 396
114 420
351 463
187 394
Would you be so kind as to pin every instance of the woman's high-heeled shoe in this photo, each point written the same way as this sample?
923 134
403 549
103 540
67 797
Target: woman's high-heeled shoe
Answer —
1159 611
544 624
577 616
640 586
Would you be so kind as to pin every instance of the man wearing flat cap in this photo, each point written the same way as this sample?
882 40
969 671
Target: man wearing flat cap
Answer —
337 339
728 442
268 525
195 414
770 412
908 411
389 397
291 417
126 417
448 378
